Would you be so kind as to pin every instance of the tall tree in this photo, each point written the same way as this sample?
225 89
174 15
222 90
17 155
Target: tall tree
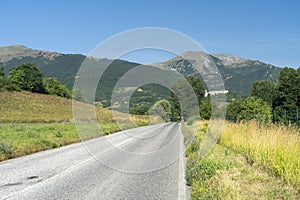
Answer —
28 77
185 89
233 110
264 89
288 94
162 108
2 74
2 79
53 87
255 108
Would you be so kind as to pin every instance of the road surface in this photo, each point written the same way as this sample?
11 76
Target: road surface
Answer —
141 163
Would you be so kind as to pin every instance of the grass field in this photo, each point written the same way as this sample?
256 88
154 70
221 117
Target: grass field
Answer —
239 167
34 122
275 147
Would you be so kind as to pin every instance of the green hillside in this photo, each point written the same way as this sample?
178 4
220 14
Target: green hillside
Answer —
238 73
31 122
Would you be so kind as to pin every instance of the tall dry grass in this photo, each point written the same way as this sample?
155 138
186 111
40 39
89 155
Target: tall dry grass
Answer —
275 147
25 107
34 122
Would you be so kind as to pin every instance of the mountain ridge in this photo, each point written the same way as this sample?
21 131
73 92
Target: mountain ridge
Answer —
238 73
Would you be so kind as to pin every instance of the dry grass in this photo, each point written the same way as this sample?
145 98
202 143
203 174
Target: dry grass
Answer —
230 171
35 122
277 148
25 107
245 181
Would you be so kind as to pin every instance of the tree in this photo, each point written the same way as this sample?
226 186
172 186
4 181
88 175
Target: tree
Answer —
2 74
3 81
255 108
182 90
78 96
140 109
53 87
233 110
162 108
28 77
205 108
287 98
197 86
264 89
175 108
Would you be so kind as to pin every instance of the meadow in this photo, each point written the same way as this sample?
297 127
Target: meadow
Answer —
249 162
35 122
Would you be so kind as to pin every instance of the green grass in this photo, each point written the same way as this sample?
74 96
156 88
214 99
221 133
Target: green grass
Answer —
226 173
23 139
35 122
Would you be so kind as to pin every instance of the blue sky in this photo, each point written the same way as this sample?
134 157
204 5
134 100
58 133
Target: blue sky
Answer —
260 30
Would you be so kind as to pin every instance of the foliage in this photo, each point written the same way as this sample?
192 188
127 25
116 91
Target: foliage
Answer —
2 74
185 90
3 80
53 87
251 108
197 86
175 108
162 109
264 90
255 108
205 108
233 109
140 109
6 149
145 97
78 96
287 99
279 102
28 77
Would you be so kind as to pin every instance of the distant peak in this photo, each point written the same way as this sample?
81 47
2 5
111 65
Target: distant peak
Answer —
16 46
21 46
18 51
229 59
194 53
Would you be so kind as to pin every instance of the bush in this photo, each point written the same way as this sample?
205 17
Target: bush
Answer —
192 119
7 149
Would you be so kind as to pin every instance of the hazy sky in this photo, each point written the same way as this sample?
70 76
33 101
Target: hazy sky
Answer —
255 29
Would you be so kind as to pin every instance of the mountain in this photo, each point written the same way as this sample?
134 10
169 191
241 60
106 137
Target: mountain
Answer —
238 73
65 66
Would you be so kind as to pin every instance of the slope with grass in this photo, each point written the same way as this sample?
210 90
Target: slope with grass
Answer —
243 165
34 122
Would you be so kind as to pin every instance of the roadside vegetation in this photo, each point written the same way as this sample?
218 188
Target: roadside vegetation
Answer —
275 147
276 101
257 156
250 162
258 153
32 122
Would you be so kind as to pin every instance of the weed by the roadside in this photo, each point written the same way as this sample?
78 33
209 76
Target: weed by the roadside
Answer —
6 150
226 174
275 147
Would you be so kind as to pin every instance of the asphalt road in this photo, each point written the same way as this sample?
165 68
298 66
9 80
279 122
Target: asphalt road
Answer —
141 163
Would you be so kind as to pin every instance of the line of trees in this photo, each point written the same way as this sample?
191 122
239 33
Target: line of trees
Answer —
270 100
28 77
188 113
